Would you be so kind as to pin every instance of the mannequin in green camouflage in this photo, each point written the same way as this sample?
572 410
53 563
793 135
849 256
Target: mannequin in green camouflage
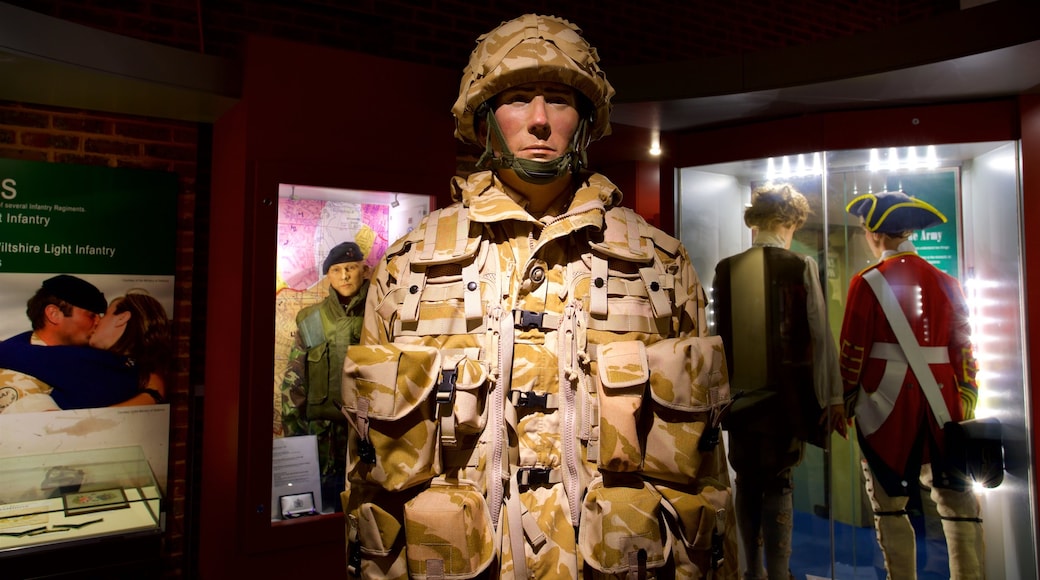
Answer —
535 394
311 387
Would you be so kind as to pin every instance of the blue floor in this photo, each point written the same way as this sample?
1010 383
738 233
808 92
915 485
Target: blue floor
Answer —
855 552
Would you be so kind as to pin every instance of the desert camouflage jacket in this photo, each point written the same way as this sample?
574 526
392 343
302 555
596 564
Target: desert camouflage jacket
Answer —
536 387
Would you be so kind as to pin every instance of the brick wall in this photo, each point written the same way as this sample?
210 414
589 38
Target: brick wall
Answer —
36 133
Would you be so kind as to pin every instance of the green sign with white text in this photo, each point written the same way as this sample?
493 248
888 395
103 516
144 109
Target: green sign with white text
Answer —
936 244
85 219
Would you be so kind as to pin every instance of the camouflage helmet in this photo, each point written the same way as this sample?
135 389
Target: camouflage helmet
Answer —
528 49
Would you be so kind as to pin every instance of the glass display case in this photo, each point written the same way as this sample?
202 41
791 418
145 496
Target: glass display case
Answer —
977 187
59 499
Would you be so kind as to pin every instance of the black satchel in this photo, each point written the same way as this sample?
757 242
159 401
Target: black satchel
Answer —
975 451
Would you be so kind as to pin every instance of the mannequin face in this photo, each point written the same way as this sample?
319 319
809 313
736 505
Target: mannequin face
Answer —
537 120
346 277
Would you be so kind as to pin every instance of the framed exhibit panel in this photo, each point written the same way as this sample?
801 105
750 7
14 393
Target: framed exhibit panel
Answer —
297 214
320 285
976 186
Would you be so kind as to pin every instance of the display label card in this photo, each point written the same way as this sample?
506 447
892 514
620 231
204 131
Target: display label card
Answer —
295 477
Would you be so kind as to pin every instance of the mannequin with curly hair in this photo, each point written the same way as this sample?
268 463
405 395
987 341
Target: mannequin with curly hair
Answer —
771 315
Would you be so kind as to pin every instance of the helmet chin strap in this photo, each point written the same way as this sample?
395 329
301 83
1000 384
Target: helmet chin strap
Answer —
529 170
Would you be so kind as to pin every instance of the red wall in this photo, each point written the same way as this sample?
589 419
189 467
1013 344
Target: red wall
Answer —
320 117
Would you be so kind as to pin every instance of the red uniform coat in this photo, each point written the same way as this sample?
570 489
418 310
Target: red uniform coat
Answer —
938 315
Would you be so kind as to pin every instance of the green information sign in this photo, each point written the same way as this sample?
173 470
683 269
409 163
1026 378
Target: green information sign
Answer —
937 244
58 218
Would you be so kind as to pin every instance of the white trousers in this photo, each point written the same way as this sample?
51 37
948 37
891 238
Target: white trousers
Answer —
961 523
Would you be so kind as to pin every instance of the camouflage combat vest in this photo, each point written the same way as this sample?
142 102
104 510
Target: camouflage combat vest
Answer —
536 388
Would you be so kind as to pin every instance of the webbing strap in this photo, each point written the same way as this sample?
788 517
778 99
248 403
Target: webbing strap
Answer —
655 290
598 287
430 239
960 519
434 569
636 563
471 292
409 311
500 329
516 530
500 324
632 220
461 231
911 348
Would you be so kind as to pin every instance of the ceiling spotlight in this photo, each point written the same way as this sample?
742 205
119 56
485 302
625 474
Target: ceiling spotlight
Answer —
395 203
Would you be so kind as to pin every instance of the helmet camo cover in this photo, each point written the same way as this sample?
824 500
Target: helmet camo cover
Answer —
532 48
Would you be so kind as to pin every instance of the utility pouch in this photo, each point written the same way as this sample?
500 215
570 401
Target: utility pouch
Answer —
689 389
387 400
377 530
471 388
699 522
621 531
623 374
448 532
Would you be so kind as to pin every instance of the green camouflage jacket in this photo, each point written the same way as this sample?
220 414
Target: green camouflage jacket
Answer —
536 387
311 387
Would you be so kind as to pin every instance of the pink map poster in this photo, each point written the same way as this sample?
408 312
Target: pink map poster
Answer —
307 230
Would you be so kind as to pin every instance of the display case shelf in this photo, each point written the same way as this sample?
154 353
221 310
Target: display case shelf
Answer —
58 499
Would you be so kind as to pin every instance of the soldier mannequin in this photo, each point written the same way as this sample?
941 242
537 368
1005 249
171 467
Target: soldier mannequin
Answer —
310 390
480 442
899 431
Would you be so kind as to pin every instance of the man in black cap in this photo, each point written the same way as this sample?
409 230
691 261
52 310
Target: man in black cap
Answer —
65 311
311 388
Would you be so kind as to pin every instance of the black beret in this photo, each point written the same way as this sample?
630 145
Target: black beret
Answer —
345 252
77 292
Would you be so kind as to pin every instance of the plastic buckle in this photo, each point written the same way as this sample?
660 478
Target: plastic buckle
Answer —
718 555
531 399
354 558
709 439
366 452
528 319
533 476
446 386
